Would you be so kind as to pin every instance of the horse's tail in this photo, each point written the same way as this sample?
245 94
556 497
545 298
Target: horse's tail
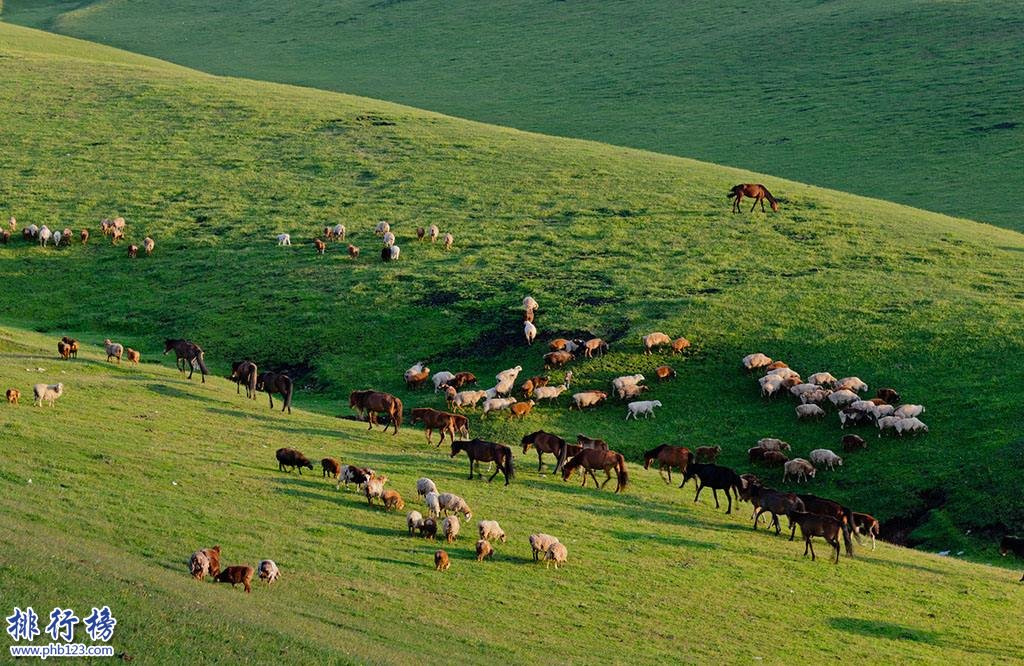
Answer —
251 383
202 363
289 388
397 415
623 475
563 450
509 470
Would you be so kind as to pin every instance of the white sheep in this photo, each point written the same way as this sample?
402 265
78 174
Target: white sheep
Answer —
540 543
783 373
113 349
413 520
56 238
433 232
822 379
585 399
851 384
268 571
339 231
284 239
374 488
799 468
382 228
490 530
549 392
881 411
825 457
843 397
809 412
529 331
557 554
509 375
395 252
450 528
815 397
631 391
467 399
503 388
47 393
440 378
800 389
414 369
913 425
389 239
529 303
448 241
626 380
451 503
773 444
652 340
424 486
770 385
908 411
497 404
44 235
645 407
886 423
433 504
862 406
756 361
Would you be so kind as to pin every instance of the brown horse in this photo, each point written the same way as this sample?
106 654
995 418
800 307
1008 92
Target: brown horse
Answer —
244 372
376 402
757 192
668 457
812 525
188 354
480 450
434 420
545 442
276 382
766 500
591 459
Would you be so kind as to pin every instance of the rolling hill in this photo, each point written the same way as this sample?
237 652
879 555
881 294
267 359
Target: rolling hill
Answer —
909 100
612 241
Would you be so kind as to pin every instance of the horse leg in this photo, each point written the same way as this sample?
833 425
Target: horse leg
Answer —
813 556
497 468
470 466
608 476
728 497
757 517
835 545
271 396
714 491
700 487
540 461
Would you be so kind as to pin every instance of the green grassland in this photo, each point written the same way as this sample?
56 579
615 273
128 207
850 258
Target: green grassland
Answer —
106 495
612 241
915 101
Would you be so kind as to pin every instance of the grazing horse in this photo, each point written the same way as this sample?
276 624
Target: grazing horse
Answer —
376 402
276 382
244 372
591 459
435 420
188 353
668 457
480 450
767 500
812 525
756 192
834 510
545 442
717 478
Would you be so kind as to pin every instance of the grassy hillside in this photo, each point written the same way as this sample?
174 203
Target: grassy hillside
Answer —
109 493
913 101
612 241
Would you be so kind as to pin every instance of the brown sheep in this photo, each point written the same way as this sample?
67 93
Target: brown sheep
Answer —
133 251
428 528
64 350
558 344
291 458
756 454
520 409
441 561
664 372
528 316
148 244
353 251
557 359
774 366
653 340
236 575
420 233
679 345
133 356
5 237
84 235
392 501
320 246
890 396
594 345
775 458
484 550
13 396
708 453
330 467
534 383
853 442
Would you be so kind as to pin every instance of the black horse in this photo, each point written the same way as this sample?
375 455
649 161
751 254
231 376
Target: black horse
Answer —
244 372
276 382
480 450
189 354
717 478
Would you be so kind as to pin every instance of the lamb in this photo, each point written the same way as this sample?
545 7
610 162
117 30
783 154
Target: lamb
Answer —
320 246
529 303
773 444
47 393
908 411
382 228
756 361
645 407
521 409
450 528
268 571
353 251
557 554
490 530
911 425
497 404
451 503
588 399
389 239
529 332
626 380
433 232
205 561
13 396
148 244
414 520
809 412
282 239
851 384
395 252
799 468
653 340
442 378
424 486
708 453
540 544
664 372
484 550
236 575
853 417
825 379
433 502
448 241
679 345
133 356
287 457
330 467
843 397
467 399
632 391
549 392
392 500
441 561
535 382
133 251
374 489
825 457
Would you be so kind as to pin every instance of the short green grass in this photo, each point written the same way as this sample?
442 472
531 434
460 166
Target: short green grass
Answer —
107 494
915 101
614 241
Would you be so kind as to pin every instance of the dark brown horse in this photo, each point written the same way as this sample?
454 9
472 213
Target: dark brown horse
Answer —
757 192
244 372
717 478
376 402
591 459
812 525
434 420
545 442
834 510
668 457
480 450
188 354
276 382
766 500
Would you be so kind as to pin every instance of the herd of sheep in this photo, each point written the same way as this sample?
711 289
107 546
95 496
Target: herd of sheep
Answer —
390 251
114 228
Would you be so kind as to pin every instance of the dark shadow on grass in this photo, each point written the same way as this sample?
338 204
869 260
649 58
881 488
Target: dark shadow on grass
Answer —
388 560
241 414
171 392
879 629
374 531
665 539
